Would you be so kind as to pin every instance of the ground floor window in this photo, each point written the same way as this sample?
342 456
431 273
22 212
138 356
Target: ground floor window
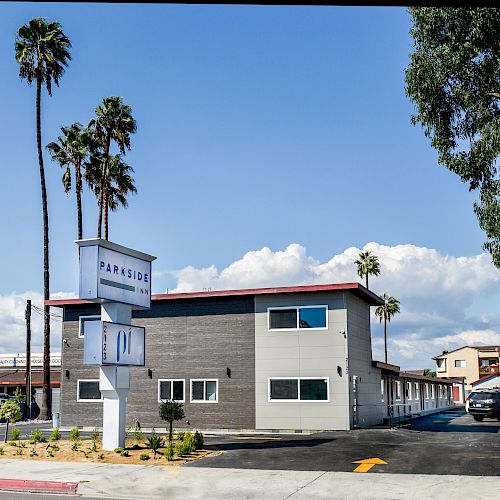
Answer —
171 389
299 389
426 391
204 390
398 390
382 382
88 391
417 391
408 390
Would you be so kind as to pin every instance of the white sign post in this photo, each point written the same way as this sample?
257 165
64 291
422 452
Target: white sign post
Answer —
120 279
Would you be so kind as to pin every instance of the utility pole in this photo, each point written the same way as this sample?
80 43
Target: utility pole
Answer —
28 356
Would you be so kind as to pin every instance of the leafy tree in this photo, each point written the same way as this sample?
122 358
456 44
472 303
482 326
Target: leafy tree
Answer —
367 263
11 412
42 51
454 80
72 149
429 373
119 183
171 411
114 122
386 312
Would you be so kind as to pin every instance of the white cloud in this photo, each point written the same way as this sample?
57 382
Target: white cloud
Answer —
13 323
435 292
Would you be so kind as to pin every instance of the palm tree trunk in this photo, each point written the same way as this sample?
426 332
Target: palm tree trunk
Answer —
106 225
385 337
366 276
45 410
78 187
103 198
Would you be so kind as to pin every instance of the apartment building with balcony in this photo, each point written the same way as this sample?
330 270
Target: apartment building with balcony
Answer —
471 363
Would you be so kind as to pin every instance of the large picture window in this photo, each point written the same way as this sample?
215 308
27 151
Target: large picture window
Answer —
204 390
298 318
88 391
172 389
299 389
83 320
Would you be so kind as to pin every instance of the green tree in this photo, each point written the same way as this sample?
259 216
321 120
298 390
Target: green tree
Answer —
72 149
42 51
453 78
367 263
386 312
11 412
119 182
429 373
114 122
171 411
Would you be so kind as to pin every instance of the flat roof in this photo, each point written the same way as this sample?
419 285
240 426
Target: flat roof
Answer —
355 288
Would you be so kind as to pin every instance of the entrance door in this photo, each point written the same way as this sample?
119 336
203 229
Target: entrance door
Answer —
456 394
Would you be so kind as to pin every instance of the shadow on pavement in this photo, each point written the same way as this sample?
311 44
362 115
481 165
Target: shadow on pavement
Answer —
252 445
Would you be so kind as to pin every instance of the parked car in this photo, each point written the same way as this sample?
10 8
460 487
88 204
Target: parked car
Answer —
485 403
468 399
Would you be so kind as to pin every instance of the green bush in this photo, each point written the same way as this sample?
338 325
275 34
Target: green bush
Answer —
181 449
138 435
19 451
74 446
125 453
189 442
36 435
16 433
180 436
94 447
154 442
95 435
33 453
170 451
55 435
55 447
118 450
11 412
12 443
199 440
144 456
74 434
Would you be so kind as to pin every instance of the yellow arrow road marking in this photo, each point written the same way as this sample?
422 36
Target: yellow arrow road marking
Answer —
367 464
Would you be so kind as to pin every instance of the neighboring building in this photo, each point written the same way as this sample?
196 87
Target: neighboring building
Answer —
490 382
470 363
13 375
287 358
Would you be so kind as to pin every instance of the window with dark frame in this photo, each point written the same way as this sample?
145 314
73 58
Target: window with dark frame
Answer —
89 390
298 318
298 389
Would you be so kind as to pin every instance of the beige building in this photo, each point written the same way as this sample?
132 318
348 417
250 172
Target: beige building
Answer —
470 362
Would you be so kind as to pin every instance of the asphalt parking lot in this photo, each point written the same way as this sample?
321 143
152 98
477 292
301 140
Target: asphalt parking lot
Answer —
446 443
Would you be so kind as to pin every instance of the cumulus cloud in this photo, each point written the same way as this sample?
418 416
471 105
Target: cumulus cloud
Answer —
13 323
435 292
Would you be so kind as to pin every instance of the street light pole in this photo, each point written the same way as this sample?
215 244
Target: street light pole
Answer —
28 356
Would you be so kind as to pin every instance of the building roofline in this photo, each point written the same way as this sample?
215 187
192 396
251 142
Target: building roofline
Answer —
484 379
477 347
356 288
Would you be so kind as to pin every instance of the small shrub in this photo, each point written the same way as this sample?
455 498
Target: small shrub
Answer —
55 435
170 451
180 436
36 435
1 451
22 444
181 449
125 453
74 446
95 435
154 442
19 451
198 440
94 447
31 441
118 450
55 447
189 442
144 456
138 434
50 453
100 456
33 453
12 443
128 430
16 433
74 434
86 453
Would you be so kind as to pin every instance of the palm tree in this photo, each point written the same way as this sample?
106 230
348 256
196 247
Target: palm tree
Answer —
72 148
367 264
42 51
387 311
114 122
119 182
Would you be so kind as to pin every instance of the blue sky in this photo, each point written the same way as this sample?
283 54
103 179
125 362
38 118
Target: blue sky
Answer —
257 127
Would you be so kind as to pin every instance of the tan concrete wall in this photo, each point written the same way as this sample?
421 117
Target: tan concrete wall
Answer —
471 370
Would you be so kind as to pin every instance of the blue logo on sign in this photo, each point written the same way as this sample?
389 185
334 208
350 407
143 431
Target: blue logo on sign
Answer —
126 344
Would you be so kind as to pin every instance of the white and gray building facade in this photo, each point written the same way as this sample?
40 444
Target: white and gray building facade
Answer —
279 359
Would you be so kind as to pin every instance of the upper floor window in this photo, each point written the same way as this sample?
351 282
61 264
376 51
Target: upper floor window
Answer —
441 363
298 318
171 389
460 363
83 320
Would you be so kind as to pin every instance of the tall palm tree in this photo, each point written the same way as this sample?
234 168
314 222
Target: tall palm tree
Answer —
115 123
367 264
72 148
42 51
119 182
386 312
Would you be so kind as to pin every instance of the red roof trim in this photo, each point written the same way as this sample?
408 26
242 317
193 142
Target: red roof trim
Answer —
356 288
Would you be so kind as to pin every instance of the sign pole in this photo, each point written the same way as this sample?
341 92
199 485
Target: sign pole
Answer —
28 357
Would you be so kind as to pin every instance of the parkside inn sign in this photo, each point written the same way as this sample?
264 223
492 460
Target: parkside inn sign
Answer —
110 272
19 360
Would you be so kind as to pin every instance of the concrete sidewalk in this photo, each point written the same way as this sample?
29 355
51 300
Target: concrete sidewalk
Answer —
154 482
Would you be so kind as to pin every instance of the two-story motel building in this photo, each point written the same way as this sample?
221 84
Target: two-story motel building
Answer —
288 358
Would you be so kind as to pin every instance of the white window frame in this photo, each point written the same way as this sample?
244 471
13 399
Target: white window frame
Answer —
397 397
408 389
382 390
78 400
195 401
80 318
426 390
443 365
269 309
171 380
433 391
464 361
298 400
417 391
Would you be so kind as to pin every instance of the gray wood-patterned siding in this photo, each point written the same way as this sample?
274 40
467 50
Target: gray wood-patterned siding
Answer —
185 339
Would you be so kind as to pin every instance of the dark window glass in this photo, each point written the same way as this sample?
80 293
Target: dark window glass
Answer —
165 390
178 389
197 391
284 389
84 320
89 390
283 318
312 317
313 390
482 395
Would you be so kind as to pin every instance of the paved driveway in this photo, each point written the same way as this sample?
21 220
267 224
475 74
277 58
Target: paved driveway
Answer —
446 443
